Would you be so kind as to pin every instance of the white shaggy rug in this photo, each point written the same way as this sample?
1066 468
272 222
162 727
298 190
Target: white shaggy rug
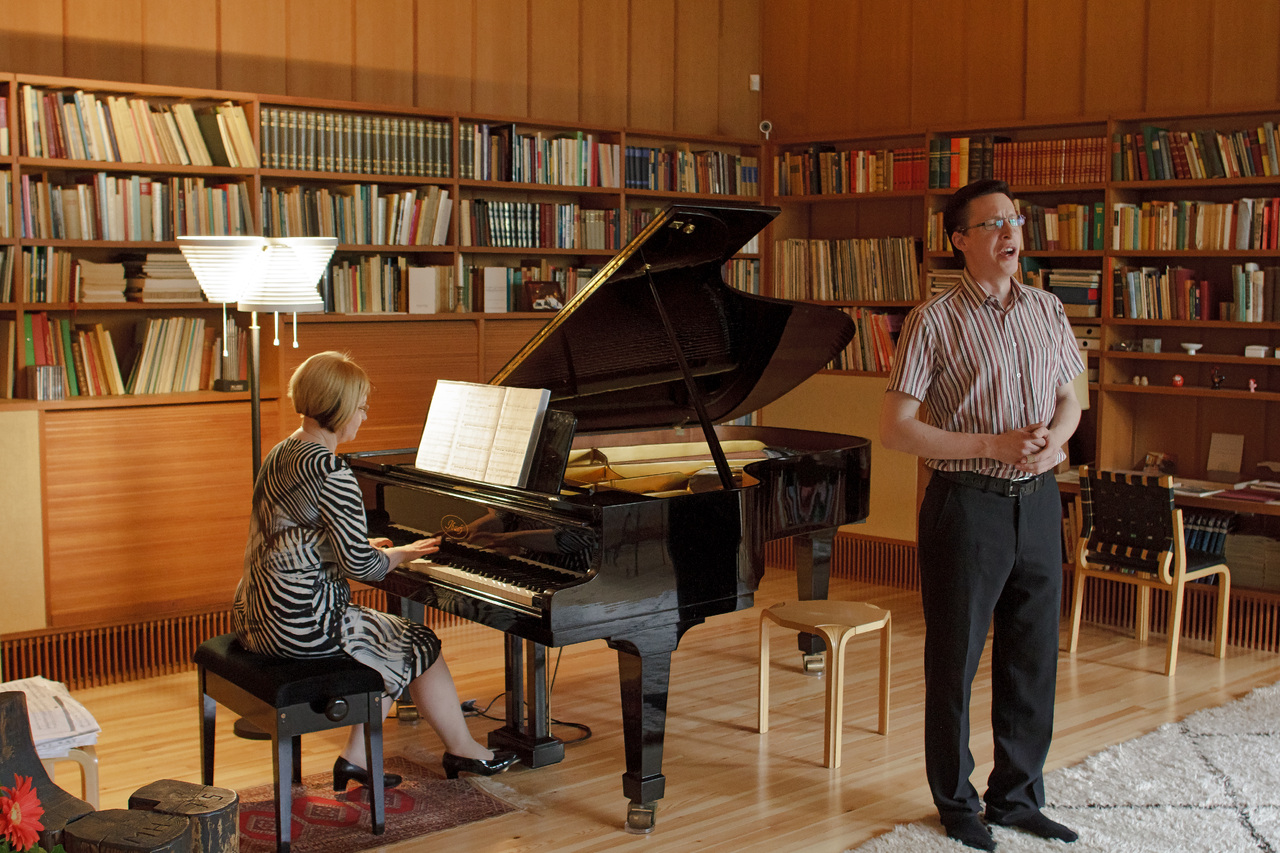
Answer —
1209 784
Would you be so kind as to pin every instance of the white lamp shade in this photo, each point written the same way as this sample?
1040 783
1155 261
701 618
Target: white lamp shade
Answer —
288 285
224 266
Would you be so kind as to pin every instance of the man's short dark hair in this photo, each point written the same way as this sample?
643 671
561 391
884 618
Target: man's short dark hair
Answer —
953 216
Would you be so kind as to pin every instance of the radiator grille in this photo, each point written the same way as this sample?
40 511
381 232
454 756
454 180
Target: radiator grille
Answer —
111 654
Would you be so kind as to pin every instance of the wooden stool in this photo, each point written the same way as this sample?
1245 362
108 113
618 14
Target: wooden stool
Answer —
835 622
212 812
288 698
123 831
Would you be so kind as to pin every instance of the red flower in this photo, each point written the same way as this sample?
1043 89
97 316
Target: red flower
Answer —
20 813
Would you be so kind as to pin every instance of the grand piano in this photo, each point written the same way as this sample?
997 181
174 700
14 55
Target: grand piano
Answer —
644 515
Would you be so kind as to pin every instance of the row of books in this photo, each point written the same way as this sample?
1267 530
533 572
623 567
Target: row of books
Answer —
174 356
6 204
82 354
526 224
874 341
1175 293
685 170
822 170
1065 226
132 208
869 268
499 152
4 126
1158 154
7 257
47 275
328 141
1246 223
368 285
743 274
956 161
79 125
359 214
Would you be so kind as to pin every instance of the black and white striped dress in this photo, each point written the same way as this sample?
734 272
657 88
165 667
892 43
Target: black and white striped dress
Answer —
306 537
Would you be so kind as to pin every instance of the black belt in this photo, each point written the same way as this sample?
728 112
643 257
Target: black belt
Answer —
997 485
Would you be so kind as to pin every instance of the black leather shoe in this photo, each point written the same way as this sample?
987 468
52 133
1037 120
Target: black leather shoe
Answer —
455 764
344 771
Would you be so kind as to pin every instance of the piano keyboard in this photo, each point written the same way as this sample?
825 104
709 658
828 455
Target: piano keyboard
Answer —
514 580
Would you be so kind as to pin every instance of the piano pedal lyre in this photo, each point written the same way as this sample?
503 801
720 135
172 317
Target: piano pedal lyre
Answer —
813 664
641 818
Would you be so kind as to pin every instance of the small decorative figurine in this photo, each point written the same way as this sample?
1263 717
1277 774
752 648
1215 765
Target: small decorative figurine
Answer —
1177 380
1215 378
1144 380
1253 385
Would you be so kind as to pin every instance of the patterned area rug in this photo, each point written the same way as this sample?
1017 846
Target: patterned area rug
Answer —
328 822
1210 783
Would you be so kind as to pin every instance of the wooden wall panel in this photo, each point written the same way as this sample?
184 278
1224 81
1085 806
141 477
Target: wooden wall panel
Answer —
785 87
651 48
555 59
1245 53
501 82
320 48
697 66
1055 59
881 93
1179 56
254 46
31 37
830 60
503 340
180 43
740 50
103 40
384 51
939 94
603 58
107 470
445 38
1117 30
22 524
403 359
995 58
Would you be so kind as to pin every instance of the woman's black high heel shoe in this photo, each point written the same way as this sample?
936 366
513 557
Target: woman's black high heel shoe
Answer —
455 764
344 771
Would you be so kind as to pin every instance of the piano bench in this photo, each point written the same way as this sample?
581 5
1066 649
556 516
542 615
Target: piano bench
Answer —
835 622
288 698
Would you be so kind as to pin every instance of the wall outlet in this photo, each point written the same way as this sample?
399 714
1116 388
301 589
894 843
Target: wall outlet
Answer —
753 82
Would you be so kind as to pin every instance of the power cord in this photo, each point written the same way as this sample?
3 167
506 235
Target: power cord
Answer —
471 708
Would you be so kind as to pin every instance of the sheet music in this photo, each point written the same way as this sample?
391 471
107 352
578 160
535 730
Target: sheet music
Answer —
482 432
58 721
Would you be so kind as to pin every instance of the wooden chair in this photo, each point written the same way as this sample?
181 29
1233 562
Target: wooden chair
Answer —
287 699
1131 532
18 756
836 622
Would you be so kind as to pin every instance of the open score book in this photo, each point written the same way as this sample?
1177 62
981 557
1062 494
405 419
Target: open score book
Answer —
482 432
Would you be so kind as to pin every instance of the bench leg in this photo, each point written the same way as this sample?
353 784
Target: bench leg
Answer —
282 766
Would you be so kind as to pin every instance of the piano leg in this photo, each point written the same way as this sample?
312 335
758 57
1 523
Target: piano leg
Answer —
644 671
527 736
813 577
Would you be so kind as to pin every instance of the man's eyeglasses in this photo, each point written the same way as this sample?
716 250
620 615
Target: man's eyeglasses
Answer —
996 224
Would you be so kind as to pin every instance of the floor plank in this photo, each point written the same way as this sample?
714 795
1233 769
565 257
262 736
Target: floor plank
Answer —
728 787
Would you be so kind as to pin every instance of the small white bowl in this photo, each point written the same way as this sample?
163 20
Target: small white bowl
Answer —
1191 348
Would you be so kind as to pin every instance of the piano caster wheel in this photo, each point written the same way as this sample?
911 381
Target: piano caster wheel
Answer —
813 664
641 818
406 711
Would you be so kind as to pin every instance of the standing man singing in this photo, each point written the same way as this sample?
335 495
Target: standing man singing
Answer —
992 361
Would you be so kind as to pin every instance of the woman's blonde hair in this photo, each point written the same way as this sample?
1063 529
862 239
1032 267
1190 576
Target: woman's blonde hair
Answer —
328 387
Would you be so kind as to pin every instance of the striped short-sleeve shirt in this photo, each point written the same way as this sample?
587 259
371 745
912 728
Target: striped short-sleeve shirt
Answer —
979 368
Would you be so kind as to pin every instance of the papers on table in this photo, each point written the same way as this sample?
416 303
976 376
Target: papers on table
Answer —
58 721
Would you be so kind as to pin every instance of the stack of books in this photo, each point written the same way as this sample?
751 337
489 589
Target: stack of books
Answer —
101 282
162 277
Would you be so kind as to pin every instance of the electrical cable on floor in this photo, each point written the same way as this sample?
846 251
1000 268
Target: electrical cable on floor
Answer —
471 709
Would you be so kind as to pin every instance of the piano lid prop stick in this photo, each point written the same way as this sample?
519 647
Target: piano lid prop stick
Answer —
708 429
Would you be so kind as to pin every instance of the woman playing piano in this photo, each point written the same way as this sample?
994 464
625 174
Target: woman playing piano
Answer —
307 536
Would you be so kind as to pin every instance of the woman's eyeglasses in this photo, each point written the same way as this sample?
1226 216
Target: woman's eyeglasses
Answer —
996 224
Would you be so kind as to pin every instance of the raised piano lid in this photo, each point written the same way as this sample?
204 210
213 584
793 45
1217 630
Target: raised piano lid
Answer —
607 358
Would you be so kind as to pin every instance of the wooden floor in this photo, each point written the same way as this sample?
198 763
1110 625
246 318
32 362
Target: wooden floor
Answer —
728 788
